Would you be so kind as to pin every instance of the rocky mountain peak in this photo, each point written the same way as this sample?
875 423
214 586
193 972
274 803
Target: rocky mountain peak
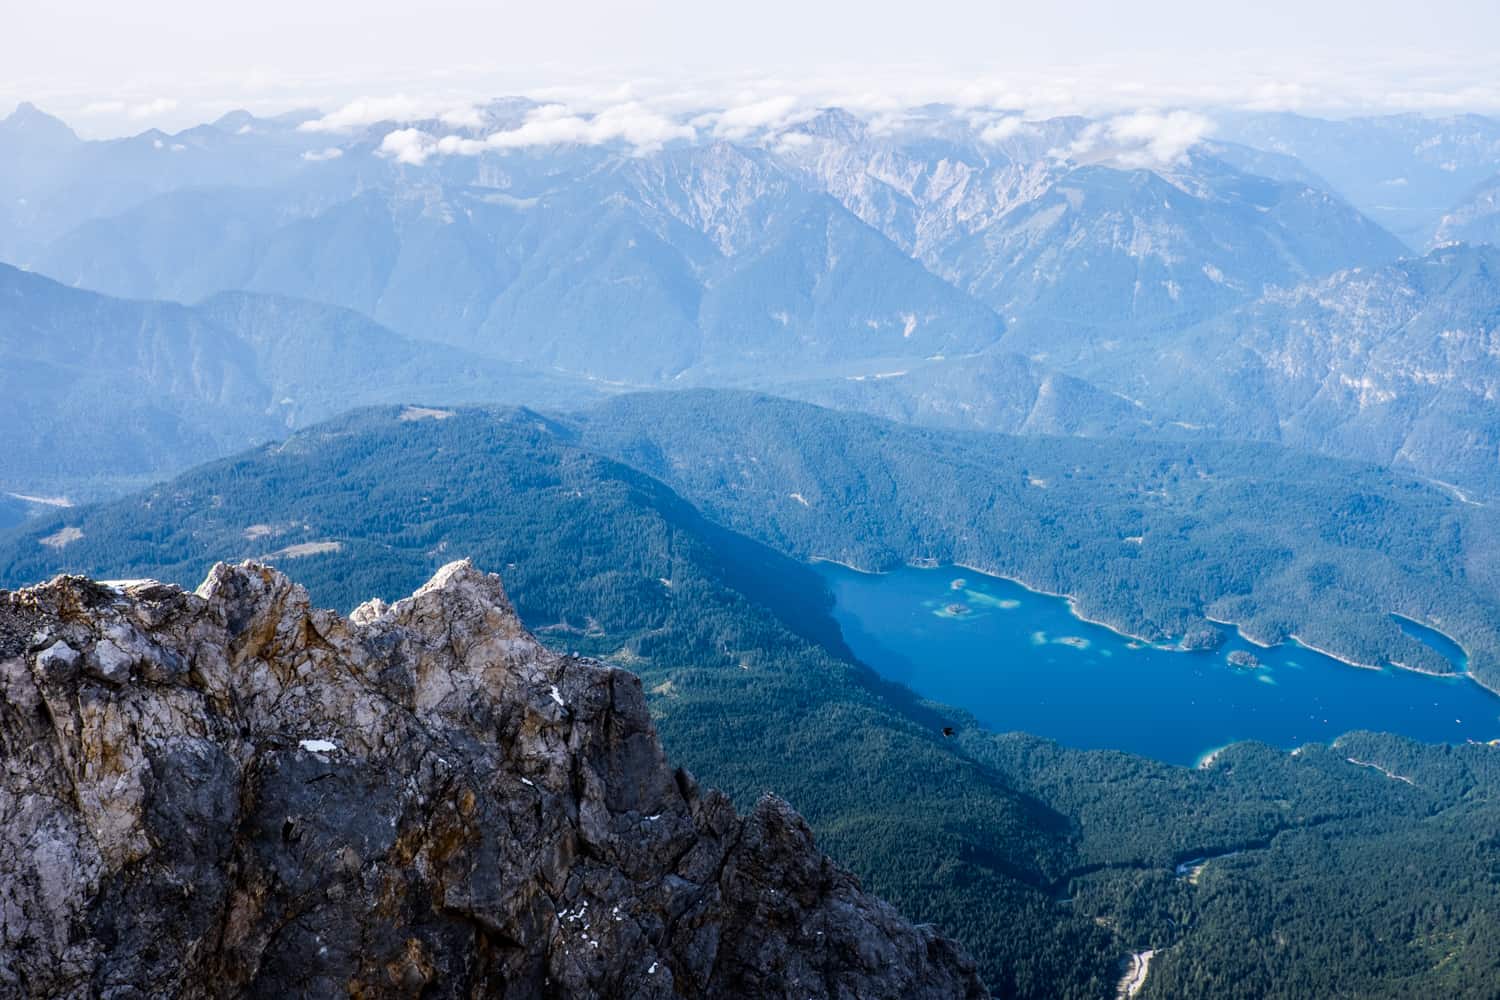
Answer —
232 792
31 122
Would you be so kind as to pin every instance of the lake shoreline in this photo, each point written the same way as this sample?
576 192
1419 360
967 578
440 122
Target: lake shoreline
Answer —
1297 639
1239 630
1006 671
1292 639
1072 605
1072 601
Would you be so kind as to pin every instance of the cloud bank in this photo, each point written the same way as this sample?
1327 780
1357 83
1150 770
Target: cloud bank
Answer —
1144 139
366 111
741 121
1006 128
632 124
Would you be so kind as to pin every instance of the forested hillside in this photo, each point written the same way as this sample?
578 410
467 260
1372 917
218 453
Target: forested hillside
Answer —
1149 537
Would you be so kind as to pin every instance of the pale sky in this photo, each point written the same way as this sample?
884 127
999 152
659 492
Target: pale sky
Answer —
111 67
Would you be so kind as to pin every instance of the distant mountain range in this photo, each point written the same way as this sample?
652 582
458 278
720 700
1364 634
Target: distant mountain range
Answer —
812 244
1397 364
1062 241
98 394
996 391
1405 171
944 267
1476 219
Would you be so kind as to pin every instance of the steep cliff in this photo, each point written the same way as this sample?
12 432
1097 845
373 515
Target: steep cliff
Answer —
231 792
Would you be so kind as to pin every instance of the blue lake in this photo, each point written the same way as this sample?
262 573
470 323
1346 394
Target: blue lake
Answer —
1019 660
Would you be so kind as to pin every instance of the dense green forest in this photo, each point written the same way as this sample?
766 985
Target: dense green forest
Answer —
1149 537
1049 864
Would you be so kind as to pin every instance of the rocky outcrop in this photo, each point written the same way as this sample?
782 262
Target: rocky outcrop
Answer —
230 792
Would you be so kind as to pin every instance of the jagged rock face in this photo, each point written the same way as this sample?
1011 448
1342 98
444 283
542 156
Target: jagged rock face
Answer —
231 792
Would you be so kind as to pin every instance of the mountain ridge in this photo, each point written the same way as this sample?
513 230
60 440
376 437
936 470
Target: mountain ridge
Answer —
103 393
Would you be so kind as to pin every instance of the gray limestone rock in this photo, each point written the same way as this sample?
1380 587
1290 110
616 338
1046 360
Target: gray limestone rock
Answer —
239 794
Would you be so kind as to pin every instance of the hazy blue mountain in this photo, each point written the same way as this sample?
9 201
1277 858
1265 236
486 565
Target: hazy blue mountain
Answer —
824 287
1265 163
926 180
1394 364
605 279
1088 245
98 389
828 243
101 392
31 139
801 262
32 145
1105 254
630 294
1476 219
1404 171
60 185
181 246
994 391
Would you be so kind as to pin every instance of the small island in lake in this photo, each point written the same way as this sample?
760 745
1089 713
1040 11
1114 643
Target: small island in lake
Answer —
1243 658
958 584
1201 636
957 610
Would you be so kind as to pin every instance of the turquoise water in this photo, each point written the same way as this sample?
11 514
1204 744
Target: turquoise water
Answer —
1019 660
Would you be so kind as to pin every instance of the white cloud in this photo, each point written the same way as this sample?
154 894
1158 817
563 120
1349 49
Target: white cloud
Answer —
152 109
550 125
370 110
788 143
998 131
632 123
322 155
741 122
408 145
465 117
1145 139
104 108
1159 139
886 123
